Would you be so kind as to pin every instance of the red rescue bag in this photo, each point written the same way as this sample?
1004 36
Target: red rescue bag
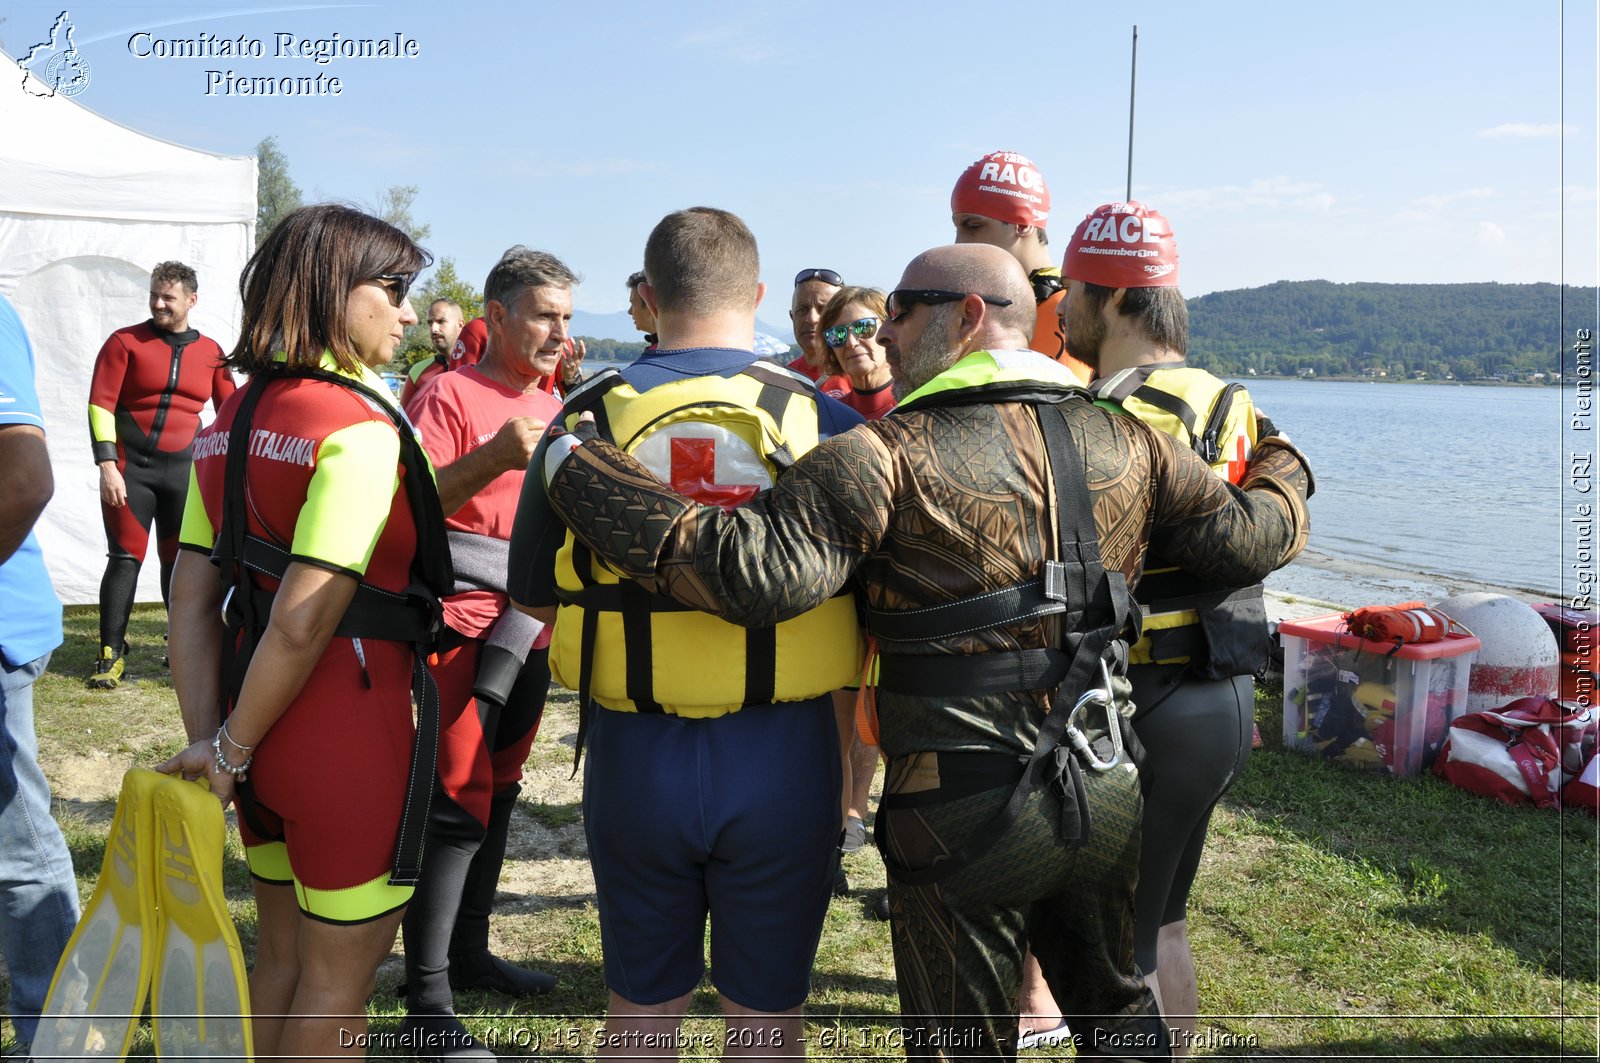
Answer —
1520 753
1401 624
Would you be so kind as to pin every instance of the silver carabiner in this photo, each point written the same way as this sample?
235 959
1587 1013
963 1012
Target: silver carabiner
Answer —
1075 737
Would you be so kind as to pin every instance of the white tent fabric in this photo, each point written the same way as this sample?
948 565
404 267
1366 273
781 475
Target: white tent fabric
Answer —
87 208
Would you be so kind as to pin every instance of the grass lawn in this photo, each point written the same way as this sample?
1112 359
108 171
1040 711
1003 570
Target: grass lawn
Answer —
1337 914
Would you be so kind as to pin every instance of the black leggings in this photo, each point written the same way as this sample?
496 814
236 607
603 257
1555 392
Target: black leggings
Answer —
156 493
449 912
1196 740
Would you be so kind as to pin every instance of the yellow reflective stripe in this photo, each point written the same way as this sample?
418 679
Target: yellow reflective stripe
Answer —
102 424
196 529
348 498
269 861
981 368
1139 652
357 904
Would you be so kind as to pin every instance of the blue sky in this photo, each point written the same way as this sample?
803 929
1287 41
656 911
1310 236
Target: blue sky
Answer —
1400 141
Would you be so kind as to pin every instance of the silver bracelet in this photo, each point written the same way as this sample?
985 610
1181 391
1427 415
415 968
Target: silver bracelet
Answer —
235 743
221 761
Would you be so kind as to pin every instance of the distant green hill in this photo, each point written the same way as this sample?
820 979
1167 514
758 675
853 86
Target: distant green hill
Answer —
1468 331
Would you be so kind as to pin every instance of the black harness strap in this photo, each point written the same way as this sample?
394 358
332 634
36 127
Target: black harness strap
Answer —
1173 405
984 673
374 613
1207 444
640 675
1100 603
1044 595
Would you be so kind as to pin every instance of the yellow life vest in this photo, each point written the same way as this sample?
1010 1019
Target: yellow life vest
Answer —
719 440
1218 421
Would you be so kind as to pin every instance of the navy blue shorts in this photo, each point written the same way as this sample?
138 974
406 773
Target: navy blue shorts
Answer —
733 819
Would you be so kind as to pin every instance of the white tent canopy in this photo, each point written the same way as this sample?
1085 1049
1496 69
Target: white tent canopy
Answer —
87 208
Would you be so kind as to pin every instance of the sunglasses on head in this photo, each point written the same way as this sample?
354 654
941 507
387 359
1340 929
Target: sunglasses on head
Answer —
865 328
826 276
901 300
396 285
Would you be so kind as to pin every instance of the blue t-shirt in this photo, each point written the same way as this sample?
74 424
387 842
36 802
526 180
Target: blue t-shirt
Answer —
30 618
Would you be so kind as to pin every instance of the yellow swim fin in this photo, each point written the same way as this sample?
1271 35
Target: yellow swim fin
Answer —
99 988
201 1003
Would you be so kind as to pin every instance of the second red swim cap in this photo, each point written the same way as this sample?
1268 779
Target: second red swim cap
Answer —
1123 245
1005 186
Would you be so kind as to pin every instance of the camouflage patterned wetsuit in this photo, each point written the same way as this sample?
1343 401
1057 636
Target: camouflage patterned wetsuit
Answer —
934 503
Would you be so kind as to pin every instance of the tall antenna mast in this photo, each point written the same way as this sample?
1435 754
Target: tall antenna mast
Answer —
1133 80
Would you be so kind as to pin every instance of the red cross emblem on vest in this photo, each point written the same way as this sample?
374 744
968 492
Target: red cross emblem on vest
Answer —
705 461
694 473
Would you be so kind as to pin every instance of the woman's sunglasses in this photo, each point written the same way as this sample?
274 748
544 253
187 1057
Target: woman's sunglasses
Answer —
396 285
864 328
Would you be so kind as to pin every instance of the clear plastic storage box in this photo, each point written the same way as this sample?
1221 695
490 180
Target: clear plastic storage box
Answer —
1368 703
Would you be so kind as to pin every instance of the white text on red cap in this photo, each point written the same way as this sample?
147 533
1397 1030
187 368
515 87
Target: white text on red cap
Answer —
1130 230
1010 174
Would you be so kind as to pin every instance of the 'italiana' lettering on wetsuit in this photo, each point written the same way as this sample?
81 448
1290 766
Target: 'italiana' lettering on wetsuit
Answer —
274 446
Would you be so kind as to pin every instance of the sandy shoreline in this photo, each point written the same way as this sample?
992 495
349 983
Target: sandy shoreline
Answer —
1319 583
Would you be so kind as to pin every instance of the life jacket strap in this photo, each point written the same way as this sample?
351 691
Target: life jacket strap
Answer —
414 617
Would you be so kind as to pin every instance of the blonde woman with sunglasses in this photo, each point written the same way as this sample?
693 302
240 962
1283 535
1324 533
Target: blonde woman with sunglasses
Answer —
858 373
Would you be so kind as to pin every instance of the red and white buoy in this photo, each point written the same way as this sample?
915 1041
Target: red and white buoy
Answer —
1519 657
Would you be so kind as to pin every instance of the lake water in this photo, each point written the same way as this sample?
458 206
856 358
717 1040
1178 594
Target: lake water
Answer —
1433 484
1427 489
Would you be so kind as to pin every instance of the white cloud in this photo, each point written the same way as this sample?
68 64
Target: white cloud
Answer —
1490 234
1529 129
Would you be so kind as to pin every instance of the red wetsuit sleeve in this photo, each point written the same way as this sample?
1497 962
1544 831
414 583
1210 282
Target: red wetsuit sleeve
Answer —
105 388
222 386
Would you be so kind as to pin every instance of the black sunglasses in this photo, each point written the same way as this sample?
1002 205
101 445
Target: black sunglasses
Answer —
901 300
826 276
397 285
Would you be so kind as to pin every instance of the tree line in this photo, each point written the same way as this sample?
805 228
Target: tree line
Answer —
1395 331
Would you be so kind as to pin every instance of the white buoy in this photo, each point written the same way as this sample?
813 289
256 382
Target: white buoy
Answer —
1519 657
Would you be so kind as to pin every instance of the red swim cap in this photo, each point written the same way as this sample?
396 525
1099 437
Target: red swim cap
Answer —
1123 245
1005 186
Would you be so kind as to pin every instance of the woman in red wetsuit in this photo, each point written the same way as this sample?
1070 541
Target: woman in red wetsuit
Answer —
328 481
859 375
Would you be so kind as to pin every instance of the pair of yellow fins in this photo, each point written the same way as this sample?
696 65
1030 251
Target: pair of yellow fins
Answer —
157 926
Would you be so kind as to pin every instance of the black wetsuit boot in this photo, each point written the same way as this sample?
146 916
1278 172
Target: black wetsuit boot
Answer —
117 589
431 1026
472 965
